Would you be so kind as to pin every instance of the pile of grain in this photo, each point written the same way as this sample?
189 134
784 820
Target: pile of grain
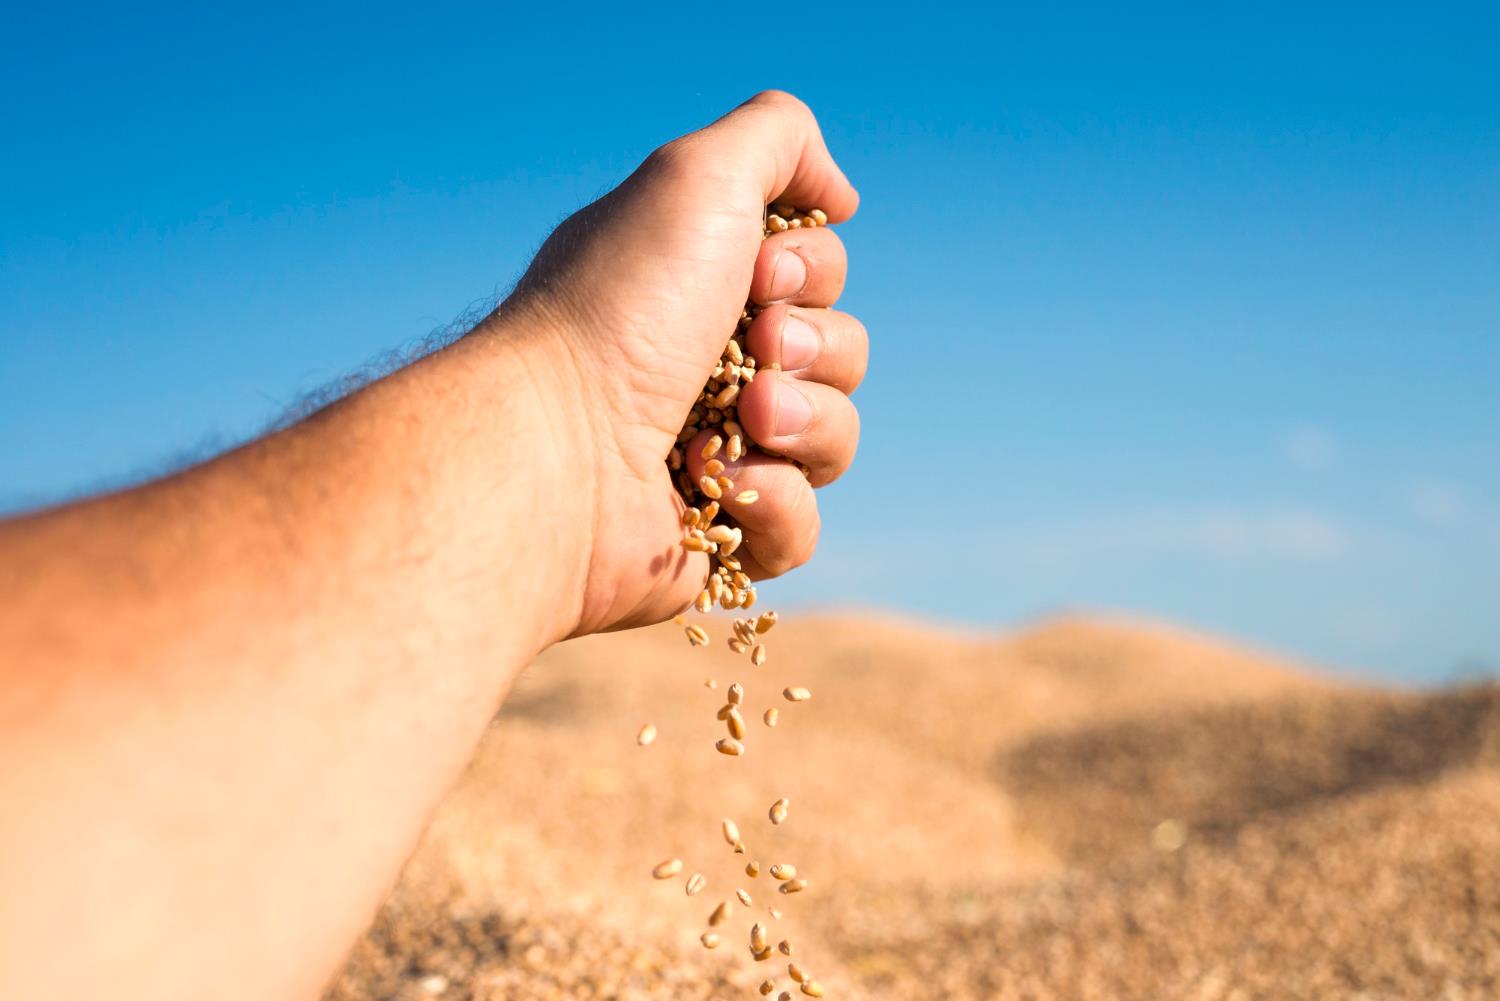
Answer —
1083 811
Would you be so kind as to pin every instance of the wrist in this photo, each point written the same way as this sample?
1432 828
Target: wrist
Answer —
540 459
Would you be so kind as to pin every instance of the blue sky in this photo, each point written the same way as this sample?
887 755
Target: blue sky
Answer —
1187 313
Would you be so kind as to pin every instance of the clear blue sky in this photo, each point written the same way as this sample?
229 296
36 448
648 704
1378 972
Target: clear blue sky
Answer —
1184 312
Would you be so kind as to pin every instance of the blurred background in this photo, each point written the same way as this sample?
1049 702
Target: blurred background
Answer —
1181 315
1179 312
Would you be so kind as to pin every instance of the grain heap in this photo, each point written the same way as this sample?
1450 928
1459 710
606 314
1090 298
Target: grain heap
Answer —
710 529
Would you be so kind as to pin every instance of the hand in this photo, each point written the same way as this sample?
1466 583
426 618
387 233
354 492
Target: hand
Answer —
635 296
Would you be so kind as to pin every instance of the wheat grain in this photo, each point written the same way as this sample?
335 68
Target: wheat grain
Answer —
715 413
778 810
736 724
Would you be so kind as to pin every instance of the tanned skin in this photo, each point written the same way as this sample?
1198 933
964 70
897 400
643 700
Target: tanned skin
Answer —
230 699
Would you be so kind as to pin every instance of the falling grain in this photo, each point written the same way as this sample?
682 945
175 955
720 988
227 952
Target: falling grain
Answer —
667 869
736 724
646 735
778 810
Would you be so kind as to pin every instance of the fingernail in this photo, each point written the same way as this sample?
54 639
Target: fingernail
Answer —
788 275
794 411
799 343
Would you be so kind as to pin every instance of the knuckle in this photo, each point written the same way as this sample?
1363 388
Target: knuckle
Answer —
783 103
791 543
859 353
808 544
776 98
680 156
840 450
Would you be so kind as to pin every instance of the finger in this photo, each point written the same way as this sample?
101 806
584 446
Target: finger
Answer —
777 137
806 421
817 345
801 266
773 504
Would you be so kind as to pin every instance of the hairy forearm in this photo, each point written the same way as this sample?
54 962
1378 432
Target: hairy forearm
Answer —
278 659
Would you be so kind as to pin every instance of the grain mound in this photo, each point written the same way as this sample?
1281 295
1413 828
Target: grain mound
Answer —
1087 810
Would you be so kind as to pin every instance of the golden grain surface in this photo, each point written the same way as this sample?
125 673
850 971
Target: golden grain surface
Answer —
1084 810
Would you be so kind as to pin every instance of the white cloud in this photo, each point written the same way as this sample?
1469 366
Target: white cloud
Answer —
1221 533
1309 447
1437 503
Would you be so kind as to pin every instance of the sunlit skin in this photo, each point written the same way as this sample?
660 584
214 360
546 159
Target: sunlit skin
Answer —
230 699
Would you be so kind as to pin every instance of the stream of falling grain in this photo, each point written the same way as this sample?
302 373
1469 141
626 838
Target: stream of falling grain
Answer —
710 527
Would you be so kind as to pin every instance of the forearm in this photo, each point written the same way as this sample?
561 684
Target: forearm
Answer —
278 659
